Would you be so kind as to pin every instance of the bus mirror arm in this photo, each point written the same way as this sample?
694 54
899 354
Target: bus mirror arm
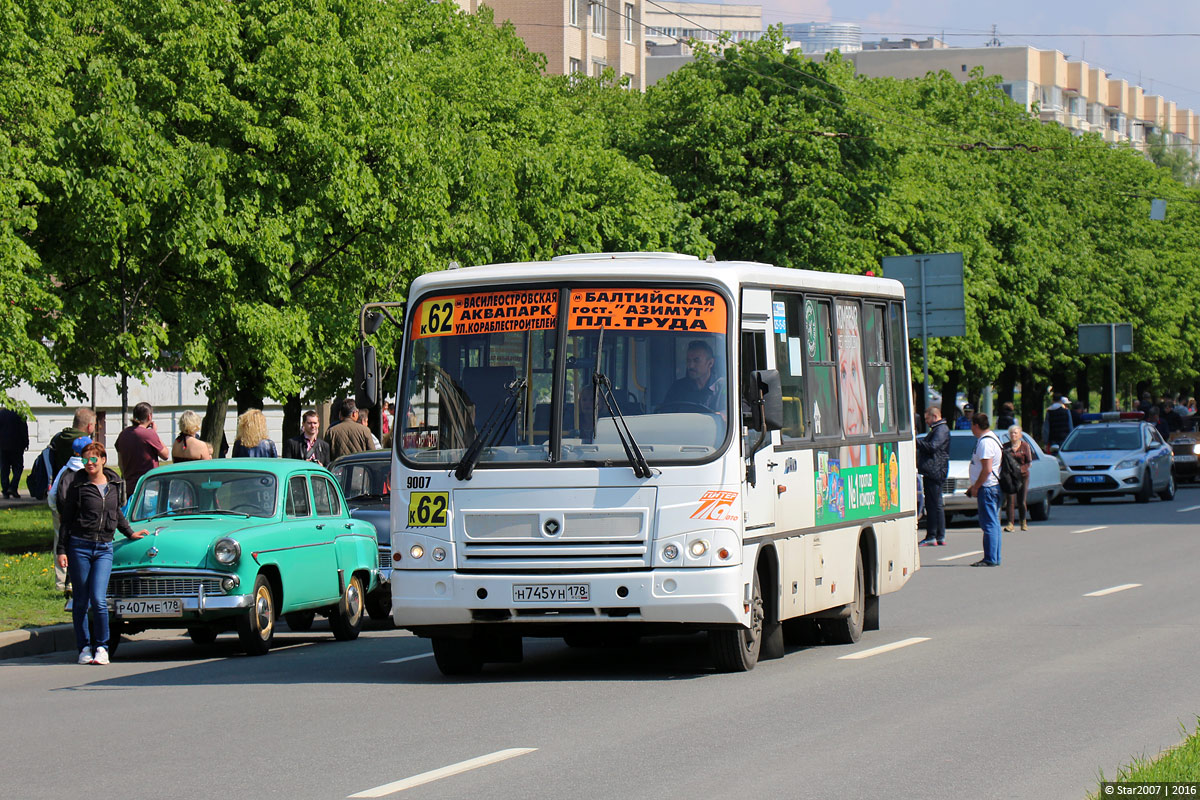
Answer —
766 413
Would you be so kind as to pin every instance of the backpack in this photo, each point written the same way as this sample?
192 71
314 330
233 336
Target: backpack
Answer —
39 478
1010 470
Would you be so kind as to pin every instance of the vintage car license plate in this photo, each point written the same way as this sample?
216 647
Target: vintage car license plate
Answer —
158 607
1089 479
1185 459
551 592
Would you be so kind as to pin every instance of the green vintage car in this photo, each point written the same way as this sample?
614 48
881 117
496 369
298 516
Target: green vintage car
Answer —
237 543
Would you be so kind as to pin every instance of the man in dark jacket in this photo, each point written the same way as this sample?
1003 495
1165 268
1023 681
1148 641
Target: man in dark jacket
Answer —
933 464
14 441
308 446
1058 423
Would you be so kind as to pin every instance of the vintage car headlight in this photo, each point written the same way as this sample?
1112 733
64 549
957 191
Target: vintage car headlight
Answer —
227 551
1196 449
1130 463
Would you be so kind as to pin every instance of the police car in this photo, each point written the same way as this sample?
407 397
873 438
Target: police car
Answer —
1107 459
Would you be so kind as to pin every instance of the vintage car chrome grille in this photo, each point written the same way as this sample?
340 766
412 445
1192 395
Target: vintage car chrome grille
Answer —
162 586
952 485
385 558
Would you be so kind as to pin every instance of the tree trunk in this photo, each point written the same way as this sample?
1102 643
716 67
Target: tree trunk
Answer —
1033 390
1058 382
1005 385
1083 388
950 395
212 429
291 416
248 397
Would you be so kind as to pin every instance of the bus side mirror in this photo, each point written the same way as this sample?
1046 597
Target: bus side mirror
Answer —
770 392
366 383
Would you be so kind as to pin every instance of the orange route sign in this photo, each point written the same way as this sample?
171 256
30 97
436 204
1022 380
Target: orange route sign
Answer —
486 312
693 310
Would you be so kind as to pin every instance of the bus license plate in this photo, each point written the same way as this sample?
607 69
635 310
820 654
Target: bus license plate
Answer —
158 607
551 592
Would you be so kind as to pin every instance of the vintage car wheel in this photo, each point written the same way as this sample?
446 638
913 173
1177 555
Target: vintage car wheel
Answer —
202 634
256 625
379 605
346 620
300 621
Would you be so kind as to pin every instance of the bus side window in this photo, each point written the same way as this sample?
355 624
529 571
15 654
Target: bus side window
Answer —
879 368
900 374
821 367
789 359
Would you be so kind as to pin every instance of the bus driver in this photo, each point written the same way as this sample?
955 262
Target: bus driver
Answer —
700 386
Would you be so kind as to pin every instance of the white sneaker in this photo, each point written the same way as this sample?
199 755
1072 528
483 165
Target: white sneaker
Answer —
85 656
101 656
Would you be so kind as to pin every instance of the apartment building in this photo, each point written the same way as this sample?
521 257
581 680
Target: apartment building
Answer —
578 36
667 22
1074 94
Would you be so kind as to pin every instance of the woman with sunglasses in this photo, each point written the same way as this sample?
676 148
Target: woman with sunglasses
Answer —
91 515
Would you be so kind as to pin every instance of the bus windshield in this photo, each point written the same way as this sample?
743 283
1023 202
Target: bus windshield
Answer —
490 362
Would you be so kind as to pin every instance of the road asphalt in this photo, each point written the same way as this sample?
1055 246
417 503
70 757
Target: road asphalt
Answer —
1026 680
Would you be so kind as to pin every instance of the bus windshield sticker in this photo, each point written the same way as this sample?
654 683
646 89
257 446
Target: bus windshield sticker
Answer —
857 482
647 310
489 312
715 505
780 314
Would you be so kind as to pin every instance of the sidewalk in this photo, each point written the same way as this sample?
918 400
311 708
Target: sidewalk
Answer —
36 641
24 501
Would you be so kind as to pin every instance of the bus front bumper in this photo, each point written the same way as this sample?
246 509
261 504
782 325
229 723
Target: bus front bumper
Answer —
716 596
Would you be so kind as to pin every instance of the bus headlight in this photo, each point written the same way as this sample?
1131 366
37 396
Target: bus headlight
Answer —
670 552
416 551
698 547
227 551
439 554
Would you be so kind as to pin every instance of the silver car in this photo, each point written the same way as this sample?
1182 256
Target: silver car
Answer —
1106 459
1044 483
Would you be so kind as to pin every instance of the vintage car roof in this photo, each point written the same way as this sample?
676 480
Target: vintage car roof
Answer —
273 465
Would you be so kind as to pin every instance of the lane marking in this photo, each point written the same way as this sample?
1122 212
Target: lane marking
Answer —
1113 590
444 772
962 555
407 658
1189 508
887 648
1090 530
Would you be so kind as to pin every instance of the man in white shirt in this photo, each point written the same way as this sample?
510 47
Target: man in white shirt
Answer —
985 487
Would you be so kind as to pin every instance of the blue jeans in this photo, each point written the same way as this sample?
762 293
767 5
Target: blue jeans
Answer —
988 500
89 565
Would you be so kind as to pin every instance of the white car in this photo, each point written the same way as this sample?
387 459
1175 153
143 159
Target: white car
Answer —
1113 458
1044 483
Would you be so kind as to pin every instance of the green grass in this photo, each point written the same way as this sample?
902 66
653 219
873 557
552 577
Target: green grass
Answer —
25 528
27 594
1180 763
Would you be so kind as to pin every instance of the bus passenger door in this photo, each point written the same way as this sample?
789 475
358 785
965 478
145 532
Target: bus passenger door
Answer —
758 498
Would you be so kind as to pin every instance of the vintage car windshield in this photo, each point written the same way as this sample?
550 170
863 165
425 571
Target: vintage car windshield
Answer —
486 361
1112 438
236 492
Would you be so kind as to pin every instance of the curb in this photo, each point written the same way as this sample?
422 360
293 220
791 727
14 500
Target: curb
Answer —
36 641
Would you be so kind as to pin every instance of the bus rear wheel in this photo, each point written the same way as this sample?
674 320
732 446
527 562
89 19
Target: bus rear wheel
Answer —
737 649
848 629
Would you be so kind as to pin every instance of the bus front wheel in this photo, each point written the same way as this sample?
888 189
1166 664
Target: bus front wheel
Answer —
737 649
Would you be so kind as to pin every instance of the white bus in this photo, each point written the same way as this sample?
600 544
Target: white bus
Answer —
614 445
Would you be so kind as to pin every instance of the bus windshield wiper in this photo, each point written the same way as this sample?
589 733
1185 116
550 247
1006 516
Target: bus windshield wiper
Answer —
634 453
502 416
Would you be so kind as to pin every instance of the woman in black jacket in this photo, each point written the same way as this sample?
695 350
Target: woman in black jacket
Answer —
91 515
